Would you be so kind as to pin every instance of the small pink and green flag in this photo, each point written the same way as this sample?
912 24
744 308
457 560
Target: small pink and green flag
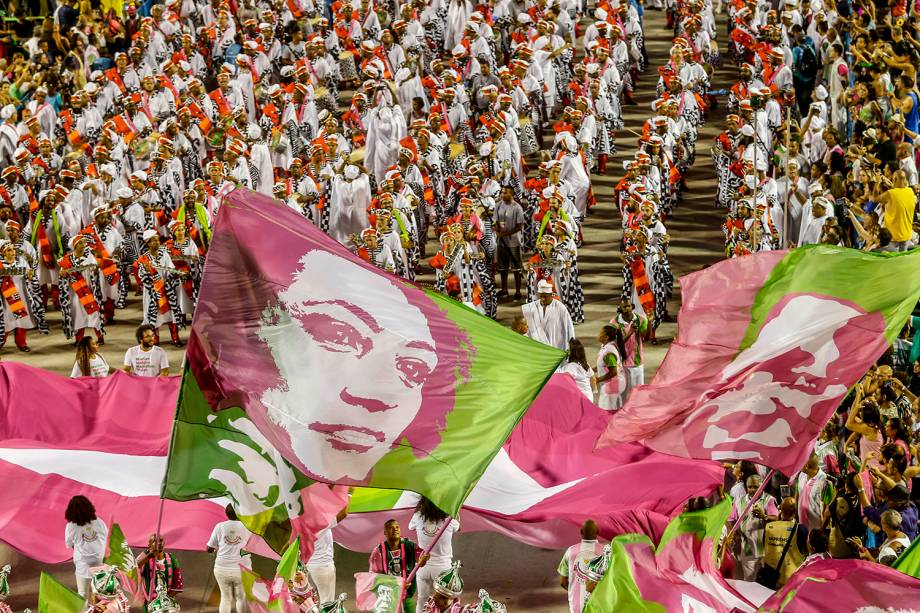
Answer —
679 574
264 596
287 565
768 346
119 553
378 593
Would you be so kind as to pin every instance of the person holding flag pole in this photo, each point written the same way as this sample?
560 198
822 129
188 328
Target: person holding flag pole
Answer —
400 557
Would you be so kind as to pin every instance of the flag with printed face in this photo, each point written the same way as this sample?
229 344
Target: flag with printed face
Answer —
768 346
308 364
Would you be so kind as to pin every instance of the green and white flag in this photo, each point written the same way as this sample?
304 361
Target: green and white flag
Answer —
120 554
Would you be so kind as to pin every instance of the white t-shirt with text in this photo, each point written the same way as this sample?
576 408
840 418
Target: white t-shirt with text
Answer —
146 363
98 367
88 544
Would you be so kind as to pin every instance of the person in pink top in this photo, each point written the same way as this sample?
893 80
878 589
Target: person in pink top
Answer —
571 581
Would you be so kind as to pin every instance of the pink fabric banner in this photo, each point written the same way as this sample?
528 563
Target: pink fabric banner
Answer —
851 585
103 438
107 439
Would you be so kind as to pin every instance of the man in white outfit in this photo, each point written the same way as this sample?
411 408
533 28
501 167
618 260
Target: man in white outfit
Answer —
321 565
548 321
228 539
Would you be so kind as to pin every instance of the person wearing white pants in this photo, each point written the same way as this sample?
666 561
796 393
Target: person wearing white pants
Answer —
86 534
230 584
321 564
227 540
427 522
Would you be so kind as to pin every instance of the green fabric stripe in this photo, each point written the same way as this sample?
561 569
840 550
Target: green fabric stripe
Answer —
368 500
55 597
706 523
618 591
909 560
885 282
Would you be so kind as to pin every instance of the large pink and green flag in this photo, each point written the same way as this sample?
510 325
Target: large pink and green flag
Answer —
768 345
679 574
307 364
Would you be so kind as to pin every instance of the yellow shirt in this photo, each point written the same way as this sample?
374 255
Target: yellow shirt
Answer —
775 536
899 213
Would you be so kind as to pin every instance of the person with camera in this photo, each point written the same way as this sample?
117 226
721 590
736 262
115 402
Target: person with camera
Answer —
895 541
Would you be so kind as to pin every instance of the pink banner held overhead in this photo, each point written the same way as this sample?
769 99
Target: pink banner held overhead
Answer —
107 439
103 438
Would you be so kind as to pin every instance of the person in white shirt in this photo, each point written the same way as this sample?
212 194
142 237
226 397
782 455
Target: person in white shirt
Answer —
548 321
427 522
89 362
321 564
577 367
87 535
227 540
146 359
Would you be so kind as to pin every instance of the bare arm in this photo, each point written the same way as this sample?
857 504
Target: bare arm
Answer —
855 425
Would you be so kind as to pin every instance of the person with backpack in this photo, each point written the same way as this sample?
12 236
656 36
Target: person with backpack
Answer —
804 69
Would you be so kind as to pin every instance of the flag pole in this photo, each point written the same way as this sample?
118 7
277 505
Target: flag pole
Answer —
415 568
747 509
172 440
